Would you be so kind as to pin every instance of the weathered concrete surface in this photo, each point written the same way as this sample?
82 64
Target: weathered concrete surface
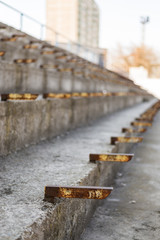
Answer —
31 78
20 78
27 122
133 210
62 161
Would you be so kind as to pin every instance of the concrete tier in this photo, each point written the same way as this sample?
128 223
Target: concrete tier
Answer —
76 76
25 78
61 161
27 122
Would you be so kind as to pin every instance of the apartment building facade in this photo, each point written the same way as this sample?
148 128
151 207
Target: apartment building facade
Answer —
77 20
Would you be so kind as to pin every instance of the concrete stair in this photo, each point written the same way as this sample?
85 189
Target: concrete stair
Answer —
28 163
61 161
61 71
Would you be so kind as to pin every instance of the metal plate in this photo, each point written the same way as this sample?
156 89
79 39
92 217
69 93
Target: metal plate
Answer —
77 192
112 157
15 96
141 124
126 139
132 130
2 53
26 61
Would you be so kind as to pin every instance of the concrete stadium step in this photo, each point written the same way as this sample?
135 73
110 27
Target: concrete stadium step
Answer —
61 161
11 31
21 78
17 47
64 160
85 75
85 79
18 78
132 211
27 122
8 31
16 50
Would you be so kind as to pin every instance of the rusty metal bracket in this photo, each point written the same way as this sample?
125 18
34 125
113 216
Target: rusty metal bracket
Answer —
30 46
10 39
150 117
76 94
132 130
61 57
149 113
78 73
73 60
49 46
19 35
2 27
126 140
57 95
36 42
2 53
83 94
141 124
49 52
25 61
13 38
49 66
15 96
65 69
77 192
110 157
142 119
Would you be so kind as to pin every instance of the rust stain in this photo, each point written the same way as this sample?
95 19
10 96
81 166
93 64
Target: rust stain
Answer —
110 157
77 192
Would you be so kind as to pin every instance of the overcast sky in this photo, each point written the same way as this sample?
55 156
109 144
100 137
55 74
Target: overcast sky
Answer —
119 19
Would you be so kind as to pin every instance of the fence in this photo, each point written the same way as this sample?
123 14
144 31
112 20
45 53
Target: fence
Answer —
15 18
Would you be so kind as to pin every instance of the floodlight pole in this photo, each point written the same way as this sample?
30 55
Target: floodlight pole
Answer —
144 20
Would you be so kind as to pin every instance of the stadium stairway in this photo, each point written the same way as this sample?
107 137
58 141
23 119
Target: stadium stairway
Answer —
56 108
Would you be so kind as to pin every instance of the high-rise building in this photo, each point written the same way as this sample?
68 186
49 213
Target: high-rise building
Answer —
78 20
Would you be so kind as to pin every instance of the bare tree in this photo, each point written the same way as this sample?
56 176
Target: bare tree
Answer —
134 56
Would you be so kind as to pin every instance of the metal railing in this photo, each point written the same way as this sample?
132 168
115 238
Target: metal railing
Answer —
27 24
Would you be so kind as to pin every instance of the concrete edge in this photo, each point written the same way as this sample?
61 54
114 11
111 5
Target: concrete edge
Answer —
23 123
67 218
